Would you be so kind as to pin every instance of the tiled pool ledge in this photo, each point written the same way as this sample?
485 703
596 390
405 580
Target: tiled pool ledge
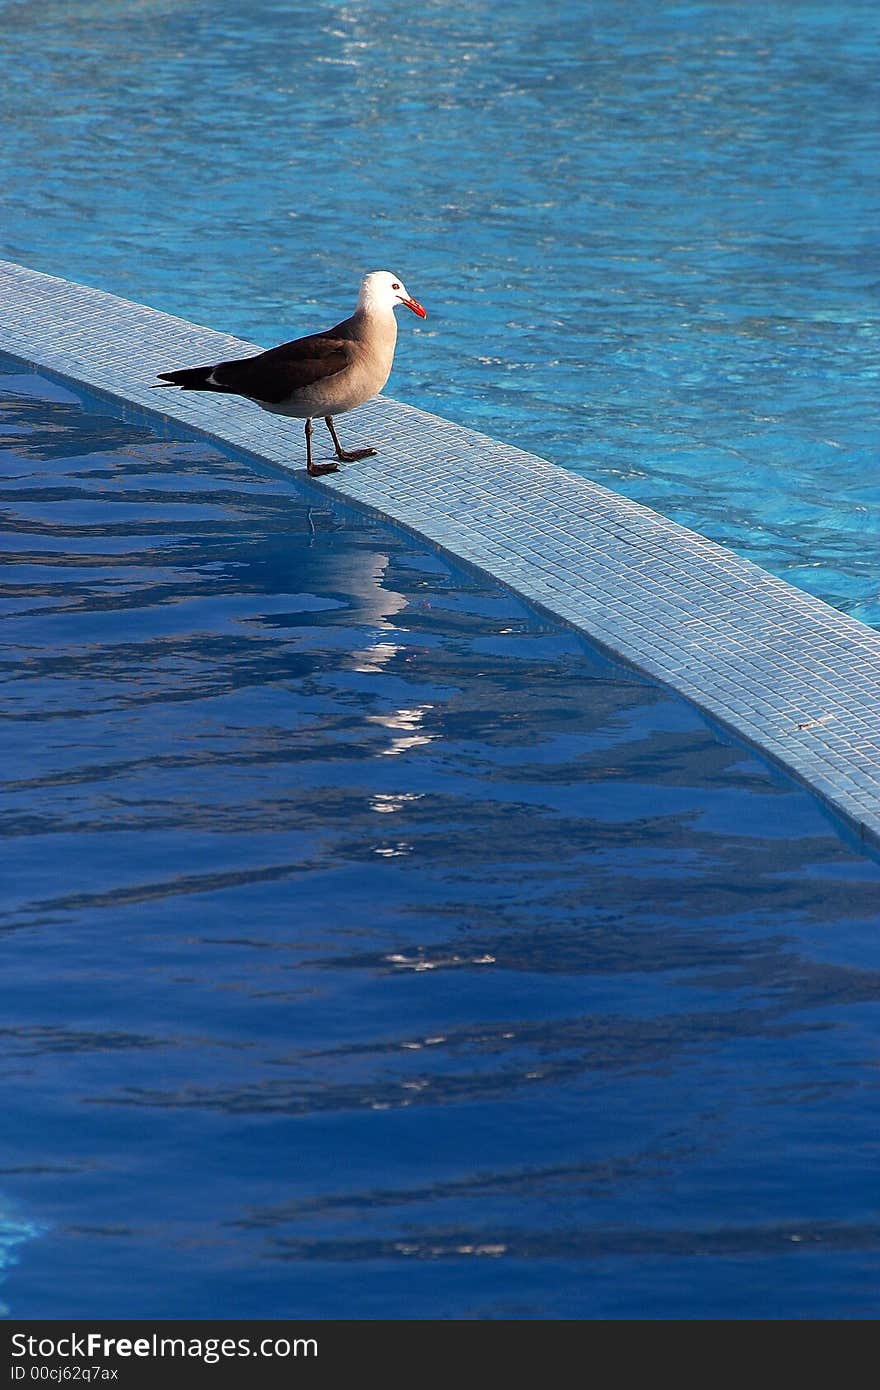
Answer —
779 668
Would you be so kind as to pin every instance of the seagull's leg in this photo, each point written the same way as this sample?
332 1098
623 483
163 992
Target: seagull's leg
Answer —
316 468
346 455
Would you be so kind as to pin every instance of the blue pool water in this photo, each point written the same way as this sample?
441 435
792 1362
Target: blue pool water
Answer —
372 948
645 233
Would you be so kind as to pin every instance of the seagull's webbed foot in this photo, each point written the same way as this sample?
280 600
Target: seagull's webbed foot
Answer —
345 455
352 455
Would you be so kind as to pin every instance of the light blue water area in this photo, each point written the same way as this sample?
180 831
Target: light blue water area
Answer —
645 232
371 948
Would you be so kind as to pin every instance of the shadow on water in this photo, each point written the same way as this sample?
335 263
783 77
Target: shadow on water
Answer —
356 915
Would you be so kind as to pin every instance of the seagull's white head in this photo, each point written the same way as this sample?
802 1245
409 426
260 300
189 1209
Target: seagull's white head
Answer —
381 291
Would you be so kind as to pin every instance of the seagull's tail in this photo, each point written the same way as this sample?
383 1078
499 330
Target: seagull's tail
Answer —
189 378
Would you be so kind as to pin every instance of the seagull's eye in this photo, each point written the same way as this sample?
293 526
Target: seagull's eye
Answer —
395 286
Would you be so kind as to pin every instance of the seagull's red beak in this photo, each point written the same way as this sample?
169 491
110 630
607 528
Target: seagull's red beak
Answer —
414 305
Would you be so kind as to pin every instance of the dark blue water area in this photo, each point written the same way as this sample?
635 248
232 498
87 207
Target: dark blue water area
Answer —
374 948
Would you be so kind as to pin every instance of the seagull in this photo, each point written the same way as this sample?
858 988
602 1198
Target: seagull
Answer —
323 374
